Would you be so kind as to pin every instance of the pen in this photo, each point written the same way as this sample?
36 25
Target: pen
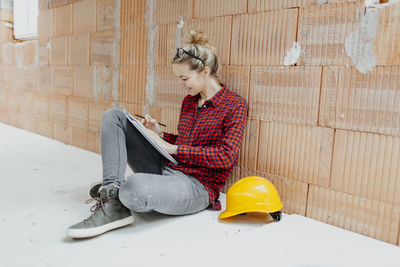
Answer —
140 116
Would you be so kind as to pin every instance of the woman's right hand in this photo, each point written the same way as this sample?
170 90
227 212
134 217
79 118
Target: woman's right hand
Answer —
151 124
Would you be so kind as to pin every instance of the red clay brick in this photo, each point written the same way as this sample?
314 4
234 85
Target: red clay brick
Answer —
102 48
6 34
45 127
57 3
79 137
58 109
248 155
212 8
10 77
41 107
45 24
263 38
64 80
43 52
322 31
93 142
105 14
388 35
58 51
133 49
79 49
165 43
132 12
29 52
63 133
62 20
9 54
77 112
237 79
85 16
29 78
84 76
25 102
366 165
19 53
265 5
289 94
104 82
45 79
96 110
362 102
18 75
298 152
169 90
358 214
219 32
26 122
164 13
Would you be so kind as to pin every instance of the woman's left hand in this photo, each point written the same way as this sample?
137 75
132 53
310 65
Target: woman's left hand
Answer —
170 148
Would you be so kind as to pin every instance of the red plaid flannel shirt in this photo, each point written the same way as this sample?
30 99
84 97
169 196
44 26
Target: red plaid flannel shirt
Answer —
209 139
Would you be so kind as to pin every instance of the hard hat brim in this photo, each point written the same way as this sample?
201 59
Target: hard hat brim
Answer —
227 214
230 213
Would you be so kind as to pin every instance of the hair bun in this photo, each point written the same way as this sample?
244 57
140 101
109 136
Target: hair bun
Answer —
197 38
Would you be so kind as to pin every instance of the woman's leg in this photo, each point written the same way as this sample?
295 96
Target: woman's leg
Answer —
152 186
172 193
121 143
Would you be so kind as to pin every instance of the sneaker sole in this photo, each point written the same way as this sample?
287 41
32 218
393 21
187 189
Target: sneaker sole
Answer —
91 232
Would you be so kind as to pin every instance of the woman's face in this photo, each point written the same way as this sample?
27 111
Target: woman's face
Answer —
193 81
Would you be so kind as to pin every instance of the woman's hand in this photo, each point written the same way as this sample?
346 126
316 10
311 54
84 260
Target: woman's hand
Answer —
170 148
151 124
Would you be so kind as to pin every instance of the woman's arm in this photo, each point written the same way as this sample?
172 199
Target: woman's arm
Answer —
152 124
170 148
223 154
170 138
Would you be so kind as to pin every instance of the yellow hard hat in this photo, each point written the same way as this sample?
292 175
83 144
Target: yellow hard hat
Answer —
252 194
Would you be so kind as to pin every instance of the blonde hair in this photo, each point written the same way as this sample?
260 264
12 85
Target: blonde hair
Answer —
204 54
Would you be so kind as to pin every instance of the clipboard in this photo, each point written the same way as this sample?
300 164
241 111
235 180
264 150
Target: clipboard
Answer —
139 126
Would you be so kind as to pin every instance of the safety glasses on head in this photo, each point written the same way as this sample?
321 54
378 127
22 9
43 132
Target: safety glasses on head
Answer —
181 51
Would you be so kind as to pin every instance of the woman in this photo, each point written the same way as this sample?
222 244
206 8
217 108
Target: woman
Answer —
211 128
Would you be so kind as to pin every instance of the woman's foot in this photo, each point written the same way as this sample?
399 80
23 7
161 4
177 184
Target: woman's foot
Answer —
108 214
94 190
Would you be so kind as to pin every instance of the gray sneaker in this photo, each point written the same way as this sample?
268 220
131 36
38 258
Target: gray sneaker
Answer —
94 190
108 214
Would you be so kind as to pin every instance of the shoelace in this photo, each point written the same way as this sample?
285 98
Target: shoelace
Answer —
98 205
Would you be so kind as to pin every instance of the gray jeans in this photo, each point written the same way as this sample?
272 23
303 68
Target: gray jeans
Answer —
153 185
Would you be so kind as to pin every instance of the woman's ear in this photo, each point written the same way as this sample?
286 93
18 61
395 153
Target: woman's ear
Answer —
205 72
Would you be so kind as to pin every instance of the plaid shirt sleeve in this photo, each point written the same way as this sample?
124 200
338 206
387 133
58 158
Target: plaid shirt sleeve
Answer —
223 154
170 138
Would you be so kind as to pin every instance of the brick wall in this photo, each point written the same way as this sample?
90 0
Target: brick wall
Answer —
62 82
324 133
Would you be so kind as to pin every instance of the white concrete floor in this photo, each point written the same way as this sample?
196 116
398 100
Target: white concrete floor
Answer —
43 186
